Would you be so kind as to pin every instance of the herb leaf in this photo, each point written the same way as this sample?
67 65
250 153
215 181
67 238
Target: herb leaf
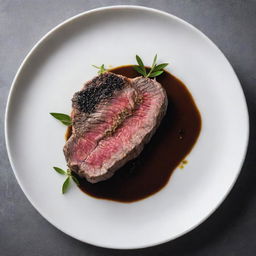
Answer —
157 73
140 70
101 69
65 119
69 176
160 66
65 185
59 170
156 70
141 64
154 62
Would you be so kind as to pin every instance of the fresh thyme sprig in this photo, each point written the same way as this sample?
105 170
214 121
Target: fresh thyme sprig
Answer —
101 69
69 175
65 119
156 70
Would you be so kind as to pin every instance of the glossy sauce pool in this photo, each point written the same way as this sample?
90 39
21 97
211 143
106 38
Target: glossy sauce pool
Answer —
169 146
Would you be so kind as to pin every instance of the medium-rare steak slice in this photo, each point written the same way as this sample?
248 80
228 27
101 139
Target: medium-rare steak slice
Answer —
109 129
95 109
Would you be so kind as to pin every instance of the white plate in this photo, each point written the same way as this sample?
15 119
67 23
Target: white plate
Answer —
60 63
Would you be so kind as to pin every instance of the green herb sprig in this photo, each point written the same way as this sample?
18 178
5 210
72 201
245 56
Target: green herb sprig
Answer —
65 119
67 181
156 70
101 69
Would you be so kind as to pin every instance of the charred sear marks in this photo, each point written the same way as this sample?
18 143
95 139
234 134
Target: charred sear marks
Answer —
87 100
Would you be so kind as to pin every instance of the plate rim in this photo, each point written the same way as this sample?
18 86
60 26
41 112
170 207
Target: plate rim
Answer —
121 7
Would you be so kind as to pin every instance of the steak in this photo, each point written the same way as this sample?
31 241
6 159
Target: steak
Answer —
113 117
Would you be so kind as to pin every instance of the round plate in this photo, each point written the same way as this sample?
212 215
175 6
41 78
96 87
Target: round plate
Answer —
58 66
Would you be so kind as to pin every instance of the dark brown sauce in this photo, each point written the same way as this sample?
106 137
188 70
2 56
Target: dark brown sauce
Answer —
171 143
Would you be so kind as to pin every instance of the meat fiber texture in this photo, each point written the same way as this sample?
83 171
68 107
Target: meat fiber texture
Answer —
113 117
